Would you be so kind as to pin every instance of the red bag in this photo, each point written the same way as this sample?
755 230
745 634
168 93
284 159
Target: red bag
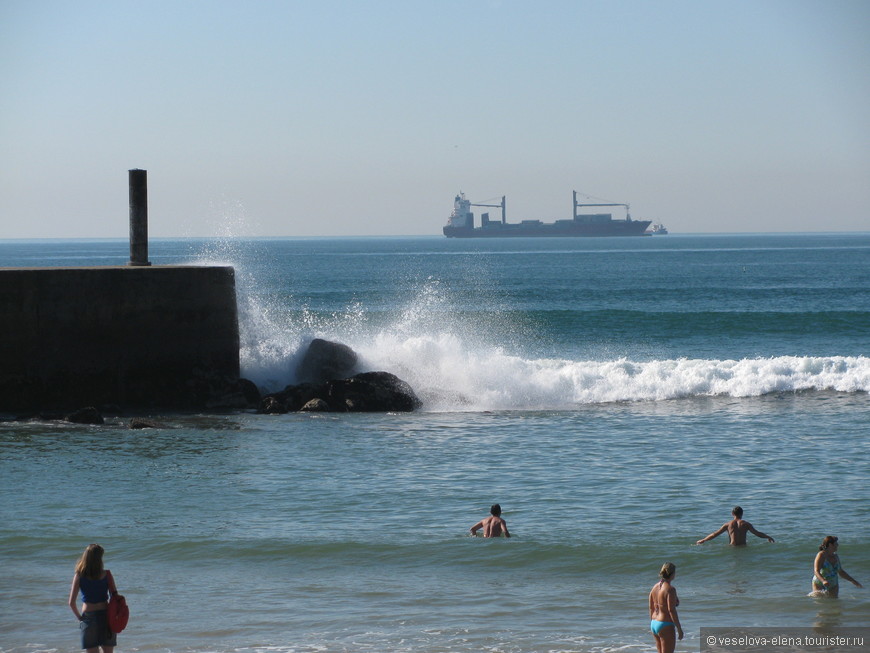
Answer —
118 613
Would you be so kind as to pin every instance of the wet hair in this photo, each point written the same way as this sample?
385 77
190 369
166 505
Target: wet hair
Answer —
828 541
90 565
495 510
737 512
667 570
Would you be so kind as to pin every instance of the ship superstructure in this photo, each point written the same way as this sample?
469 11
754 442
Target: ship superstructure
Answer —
460 224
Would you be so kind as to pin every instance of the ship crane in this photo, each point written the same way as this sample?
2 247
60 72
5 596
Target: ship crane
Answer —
497 206
602 203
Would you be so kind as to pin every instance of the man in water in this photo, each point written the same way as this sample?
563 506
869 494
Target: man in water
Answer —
493 526
737 529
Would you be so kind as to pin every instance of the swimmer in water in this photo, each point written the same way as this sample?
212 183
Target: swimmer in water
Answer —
737 529
494 525
827 570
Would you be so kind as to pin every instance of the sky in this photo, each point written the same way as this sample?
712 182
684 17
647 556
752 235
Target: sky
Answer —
365 118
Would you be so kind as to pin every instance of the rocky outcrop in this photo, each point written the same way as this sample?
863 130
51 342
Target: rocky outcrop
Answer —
373 392
145 423
272 406
325 360
366 392
315 406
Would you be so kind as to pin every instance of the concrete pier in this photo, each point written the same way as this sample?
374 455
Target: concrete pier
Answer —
131 336
134 337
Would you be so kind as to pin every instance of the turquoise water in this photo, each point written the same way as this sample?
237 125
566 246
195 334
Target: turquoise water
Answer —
616 396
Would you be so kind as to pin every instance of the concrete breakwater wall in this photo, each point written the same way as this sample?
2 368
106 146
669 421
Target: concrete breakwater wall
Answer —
135 337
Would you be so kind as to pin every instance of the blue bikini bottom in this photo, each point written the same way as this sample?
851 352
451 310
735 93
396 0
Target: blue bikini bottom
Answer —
656 626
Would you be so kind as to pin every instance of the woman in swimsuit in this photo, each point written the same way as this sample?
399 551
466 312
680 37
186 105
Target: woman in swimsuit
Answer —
827 569
663 602
96 585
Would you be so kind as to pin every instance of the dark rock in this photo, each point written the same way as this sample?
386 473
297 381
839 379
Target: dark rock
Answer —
316 405
89 415
272 406
369 392
372 392
250 391
143 423
293 397
325 361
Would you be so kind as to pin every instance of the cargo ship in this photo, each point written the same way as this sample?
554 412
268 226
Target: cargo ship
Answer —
460 224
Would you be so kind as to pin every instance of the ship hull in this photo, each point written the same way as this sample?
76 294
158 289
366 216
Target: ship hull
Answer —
571 230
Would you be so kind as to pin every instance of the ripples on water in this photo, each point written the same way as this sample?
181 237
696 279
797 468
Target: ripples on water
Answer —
349 532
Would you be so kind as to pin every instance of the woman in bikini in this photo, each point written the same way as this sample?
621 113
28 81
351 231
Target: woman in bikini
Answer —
664 620
96 586
827 570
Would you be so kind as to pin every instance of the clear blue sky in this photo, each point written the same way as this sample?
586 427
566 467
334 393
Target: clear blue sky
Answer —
365 118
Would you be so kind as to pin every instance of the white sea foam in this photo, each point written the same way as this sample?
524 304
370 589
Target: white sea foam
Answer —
450 377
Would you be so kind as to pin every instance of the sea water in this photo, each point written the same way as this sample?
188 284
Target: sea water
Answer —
616 396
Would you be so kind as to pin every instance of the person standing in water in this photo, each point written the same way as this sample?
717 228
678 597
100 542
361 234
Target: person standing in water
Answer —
494 525
664 620
737 529
827 569
96 586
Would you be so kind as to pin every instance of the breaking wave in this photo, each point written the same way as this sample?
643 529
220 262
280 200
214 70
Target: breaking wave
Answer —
451 369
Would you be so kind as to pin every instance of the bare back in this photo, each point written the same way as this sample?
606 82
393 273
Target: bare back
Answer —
492 527
663 602
737 529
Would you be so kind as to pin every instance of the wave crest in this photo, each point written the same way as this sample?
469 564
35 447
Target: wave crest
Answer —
449 377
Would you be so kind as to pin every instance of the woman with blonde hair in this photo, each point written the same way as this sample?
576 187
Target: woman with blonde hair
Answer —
827 569
96 585
664 620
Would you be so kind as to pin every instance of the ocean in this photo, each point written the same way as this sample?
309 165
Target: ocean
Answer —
616 396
